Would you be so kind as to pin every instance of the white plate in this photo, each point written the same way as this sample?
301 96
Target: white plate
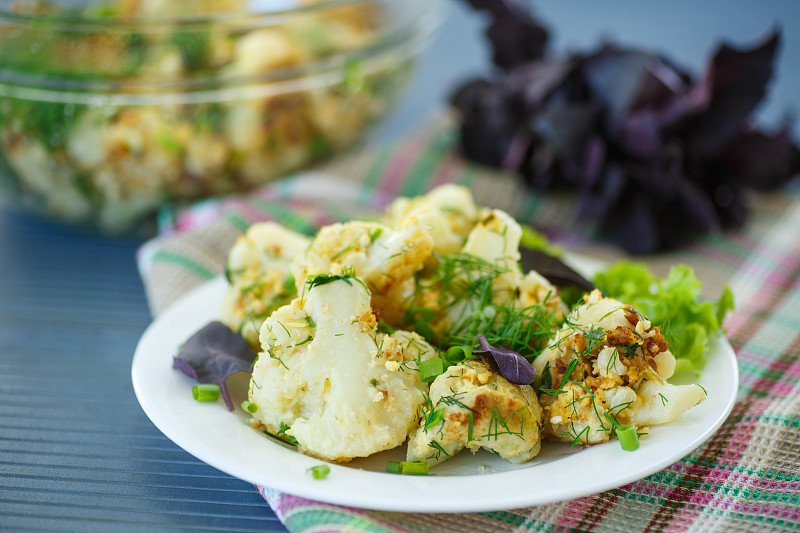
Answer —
480 482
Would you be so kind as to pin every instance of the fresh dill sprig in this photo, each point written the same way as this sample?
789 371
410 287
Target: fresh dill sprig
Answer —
465 285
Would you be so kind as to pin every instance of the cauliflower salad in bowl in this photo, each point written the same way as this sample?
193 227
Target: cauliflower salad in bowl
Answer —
423 329
110 109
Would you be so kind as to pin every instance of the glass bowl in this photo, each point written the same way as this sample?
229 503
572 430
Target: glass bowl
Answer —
109 110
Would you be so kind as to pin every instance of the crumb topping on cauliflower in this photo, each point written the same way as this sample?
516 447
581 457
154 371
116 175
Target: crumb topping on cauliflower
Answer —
448 211
384 258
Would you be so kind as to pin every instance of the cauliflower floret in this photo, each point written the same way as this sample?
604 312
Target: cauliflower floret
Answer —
386 259
448 211
327 378
616 364
259 277
473 406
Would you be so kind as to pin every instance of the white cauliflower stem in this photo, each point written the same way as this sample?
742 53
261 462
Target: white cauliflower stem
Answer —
343 389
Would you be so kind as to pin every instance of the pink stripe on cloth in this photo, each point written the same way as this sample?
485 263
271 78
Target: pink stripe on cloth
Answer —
573 514
447 171
789 383
763 510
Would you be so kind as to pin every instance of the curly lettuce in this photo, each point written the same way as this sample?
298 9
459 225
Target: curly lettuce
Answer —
674 303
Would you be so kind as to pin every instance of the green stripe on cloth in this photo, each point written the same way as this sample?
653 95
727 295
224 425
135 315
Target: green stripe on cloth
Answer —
286 216
467 176
189 265
237 221
372 179
419 178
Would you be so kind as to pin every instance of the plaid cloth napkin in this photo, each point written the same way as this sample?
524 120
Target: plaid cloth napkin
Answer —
745 478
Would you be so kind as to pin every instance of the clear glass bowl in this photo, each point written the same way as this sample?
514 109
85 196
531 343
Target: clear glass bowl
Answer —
110 110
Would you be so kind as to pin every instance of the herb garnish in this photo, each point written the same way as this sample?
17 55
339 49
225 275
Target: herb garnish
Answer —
212 354
465 286
515 368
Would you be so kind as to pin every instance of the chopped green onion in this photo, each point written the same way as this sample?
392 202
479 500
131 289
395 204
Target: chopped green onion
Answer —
435 417
320 471
430 368
628 438
417 468
249 406
456 354
206 392
393 467
375 234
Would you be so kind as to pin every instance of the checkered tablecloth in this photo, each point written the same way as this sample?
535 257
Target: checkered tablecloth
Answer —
745 478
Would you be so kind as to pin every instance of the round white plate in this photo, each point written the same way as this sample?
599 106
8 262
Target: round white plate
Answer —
480 482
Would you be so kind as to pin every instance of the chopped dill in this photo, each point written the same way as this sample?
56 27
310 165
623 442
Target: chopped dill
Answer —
499 426
282 429
273 356
439 450
304 341
467 296
568 373
343 251
348 275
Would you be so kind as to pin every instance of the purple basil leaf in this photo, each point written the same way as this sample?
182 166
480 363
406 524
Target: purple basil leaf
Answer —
661 83
515 368
532 83
489 123
654 156
614 77
516 39
214 353
552 268
716 109
516 36
640 134
759 160
636 231
598 198
567 126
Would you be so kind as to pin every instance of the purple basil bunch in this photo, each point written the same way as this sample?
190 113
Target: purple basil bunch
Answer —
655 155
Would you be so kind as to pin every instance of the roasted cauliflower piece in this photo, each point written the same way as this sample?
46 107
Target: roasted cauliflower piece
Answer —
606 367
330 380
448 211
472 406
384 258
258 272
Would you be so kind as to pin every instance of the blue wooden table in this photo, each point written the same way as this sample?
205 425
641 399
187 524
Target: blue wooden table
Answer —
76 451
